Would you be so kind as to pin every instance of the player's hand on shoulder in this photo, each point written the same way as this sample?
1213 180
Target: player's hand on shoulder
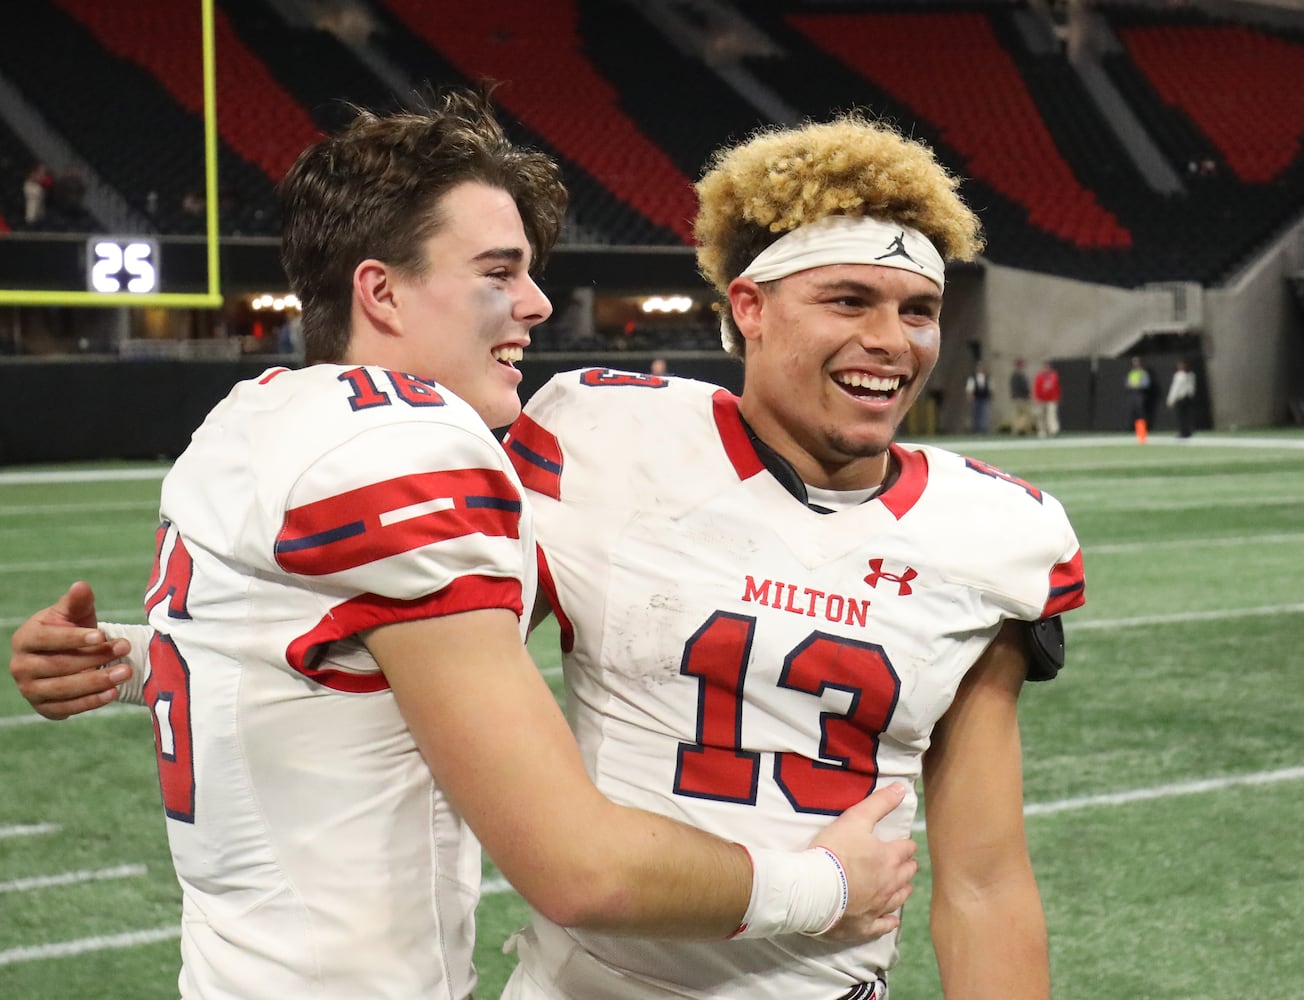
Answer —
57 653
880 873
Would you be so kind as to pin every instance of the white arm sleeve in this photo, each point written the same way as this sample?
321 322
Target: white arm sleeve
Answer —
131 691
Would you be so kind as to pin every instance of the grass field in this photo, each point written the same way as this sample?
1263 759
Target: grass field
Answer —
1164 768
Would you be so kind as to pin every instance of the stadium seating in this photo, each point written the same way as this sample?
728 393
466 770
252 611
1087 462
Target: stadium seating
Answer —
316 69
1076 206
981 107
567 103
632 115
255 117
1216 99
1240 87
118 114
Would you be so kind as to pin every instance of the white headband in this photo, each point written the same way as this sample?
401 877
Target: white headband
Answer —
848 239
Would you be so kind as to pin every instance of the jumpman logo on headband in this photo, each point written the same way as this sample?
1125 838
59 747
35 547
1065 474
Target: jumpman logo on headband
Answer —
897 248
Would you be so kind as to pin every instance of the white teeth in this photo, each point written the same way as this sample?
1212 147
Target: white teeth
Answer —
511 354
863 380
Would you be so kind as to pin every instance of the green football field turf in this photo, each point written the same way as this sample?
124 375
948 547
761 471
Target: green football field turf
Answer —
1164 768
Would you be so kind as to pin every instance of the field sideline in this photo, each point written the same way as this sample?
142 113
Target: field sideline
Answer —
1164 769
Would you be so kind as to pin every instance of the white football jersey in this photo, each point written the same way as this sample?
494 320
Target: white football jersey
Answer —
741 662
316 855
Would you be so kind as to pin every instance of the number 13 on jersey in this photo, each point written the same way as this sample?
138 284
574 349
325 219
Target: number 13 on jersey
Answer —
716 766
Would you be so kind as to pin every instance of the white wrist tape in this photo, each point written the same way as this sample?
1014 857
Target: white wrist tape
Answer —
131 691
803 892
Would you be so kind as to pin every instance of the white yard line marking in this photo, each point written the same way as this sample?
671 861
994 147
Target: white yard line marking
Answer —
80 476
1115 441
1082 502
493 886
78 508
29 829
123 616
1235 442
1164 791
73 878
108 942
1235 541
1182 616
72 566
107 712
498 885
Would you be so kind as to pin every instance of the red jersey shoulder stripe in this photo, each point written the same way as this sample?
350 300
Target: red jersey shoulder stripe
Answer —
395 516
733 435
270 374
536 455
905 492
1067 587
466 593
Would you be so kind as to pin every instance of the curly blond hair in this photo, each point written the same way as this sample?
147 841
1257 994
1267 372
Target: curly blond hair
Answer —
781 178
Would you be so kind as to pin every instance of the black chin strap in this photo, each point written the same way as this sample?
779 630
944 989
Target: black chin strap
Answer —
781 469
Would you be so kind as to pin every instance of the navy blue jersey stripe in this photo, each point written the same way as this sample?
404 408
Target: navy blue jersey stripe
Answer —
321 538
534 458
494 503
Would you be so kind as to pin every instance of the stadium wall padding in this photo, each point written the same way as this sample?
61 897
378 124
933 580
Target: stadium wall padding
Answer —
92 409
95 409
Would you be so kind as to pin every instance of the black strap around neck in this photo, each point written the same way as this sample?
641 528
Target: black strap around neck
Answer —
781 469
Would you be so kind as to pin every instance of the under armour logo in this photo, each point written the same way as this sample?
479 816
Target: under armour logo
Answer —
877 990
902 580
897 248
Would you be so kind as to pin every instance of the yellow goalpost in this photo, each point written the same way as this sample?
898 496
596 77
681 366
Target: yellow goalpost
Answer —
133 253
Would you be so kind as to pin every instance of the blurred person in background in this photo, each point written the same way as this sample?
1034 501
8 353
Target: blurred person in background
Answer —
1181 399
1139 385
978 390
1046 400
1021 422
36 190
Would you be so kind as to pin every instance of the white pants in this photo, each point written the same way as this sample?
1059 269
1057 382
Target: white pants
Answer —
1047 419
554 967
564 971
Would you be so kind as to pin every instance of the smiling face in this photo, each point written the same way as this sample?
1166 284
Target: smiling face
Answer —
464 319
835 357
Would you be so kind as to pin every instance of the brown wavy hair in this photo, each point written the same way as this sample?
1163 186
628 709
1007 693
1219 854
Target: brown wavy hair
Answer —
373 191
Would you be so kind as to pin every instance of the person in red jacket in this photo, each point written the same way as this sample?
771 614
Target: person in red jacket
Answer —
1045 400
